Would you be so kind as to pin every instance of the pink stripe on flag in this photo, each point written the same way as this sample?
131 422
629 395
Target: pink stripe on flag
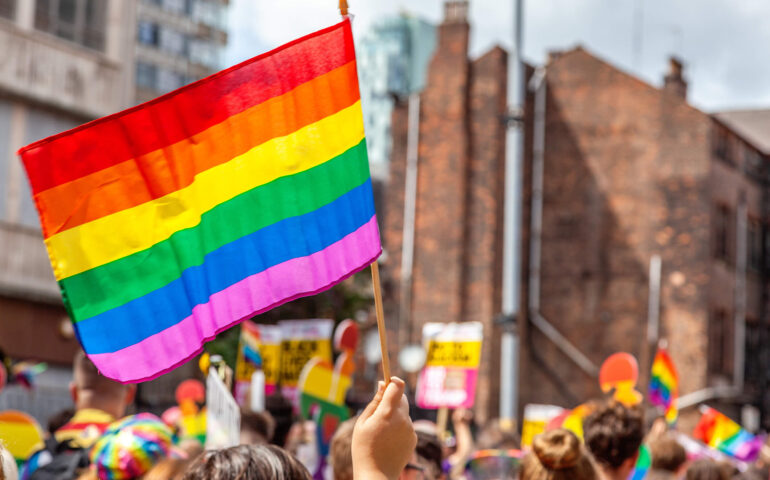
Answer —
255 294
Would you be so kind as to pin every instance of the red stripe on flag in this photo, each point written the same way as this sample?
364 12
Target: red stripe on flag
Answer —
186 111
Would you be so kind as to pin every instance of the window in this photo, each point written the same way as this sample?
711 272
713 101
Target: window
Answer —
720 348
722 145
753 364
177 6
148 33
168 80
722 231
754 245
172 41
752 161
79 21
146 75
8 9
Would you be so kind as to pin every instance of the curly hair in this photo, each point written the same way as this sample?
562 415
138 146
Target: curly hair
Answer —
614 433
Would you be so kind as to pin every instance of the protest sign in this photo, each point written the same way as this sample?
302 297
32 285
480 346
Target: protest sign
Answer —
20 434
270 351
223 417
451 367
322 386
302 340
536 418
249 359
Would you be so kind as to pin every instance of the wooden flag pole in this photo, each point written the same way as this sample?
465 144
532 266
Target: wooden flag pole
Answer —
343 7
381 321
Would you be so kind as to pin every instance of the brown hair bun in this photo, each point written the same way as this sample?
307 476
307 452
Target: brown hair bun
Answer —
557 449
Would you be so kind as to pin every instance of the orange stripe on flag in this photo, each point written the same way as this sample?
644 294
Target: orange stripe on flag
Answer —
167 170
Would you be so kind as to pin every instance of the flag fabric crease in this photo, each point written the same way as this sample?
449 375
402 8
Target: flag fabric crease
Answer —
176 219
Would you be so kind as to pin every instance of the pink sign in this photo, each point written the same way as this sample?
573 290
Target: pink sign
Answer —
453 353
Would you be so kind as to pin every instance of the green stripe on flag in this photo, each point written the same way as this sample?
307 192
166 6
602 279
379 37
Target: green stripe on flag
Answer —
138 274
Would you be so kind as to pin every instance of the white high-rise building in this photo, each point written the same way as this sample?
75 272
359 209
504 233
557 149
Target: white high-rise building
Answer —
392 61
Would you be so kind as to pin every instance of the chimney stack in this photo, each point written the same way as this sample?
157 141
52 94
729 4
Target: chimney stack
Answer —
456 11
674 82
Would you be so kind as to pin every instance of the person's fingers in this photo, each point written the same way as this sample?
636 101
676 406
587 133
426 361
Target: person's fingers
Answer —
372 407
391 399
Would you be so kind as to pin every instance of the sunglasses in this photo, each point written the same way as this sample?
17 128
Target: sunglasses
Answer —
416 468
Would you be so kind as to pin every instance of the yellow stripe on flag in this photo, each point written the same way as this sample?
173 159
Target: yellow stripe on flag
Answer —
123 233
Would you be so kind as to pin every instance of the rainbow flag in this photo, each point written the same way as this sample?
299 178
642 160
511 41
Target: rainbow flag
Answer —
664 385
643 464
176 219
721 433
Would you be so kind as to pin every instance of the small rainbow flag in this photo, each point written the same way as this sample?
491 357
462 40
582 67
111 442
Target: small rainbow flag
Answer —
664 385
721 433
643 464
179 218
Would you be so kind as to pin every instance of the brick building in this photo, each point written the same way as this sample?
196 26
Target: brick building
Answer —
631 171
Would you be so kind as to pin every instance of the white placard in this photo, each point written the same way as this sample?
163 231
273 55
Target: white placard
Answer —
223 417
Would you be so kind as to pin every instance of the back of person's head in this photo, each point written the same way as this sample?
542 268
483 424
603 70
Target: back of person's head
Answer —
705 469
130 447
429 453
8 470
614 433
257 428
556 455
667 454
168 469
495 437
283 414
247 462
90 389
340 457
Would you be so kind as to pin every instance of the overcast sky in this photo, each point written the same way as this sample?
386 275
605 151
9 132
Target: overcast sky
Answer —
725 44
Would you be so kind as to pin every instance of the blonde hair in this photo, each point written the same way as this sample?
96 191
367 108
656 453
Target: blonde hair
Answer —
8 470
556 455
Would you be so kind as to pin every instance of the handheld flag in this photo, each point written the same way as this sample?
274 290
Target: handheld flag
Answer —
719 432
179 218
664 385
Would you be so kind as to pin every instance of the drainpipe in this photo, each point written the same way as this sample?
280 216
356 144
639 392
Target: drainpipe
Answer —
739 353
538 84
410 207
514 154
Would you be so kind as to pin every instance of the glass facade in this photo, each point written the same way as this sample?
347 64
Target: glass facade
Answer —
392 60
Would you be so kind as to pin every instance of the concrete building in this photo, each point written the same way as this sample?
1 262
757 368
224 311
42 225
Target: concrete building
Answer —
177 42
631 174
62 64
392 62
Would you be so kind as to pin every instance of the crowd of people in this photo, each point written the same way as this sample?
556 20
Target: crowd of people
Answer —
97 441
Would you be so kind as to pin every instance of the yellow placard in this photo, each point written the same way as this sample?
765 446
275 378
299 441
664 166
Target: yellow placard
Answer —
271 362
453 354
296 353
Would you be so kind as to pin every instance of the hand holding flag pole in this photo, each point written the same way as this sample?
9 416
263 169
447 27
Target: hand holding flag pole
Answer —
343 8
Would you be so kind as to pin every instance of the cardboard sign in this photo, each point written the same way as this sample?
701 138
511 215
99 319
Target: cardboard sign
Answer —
302 340
249 359
223 417
20 434
619 373
451 367
270 350
536 418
